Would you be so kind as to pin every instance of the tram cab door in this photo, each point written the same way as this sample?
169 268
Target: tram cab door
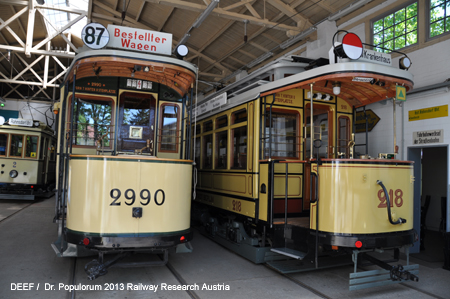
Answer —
323 131
45 154
136 123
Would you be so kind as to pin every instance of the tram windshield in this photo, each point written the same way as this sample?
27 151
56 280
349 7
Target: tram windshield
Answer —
136 123
282 135
3 142
92 121
321 131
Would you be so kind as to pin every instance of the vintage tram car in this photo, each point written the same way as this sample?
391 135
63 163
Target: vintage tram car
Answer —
279 175
124 176
27 158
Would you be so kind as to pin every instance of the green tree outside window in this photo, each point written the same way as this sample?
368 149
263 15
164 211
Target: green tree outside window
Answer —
397 30
439 17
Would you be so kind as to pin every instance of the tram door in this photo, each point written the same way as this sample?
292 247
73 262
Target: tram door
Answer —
323 131
45 155
136 123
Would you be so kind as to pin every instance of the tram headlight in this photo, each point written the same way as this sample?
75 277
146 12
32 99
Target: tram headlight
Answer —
13 173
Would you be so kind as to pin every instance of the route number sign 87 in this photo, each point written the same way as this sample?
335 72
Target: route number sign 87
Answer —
95 36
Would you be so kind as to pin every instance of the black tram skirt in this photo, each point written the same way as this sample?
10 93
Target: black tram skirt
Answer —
141 241
369 241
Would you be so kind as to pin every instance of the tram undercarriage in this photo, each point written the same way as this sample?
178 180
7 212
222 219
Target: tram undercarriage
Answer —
293 248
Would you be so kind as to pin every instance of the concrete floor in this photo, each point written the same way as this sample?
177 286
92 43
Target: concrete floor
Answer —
28 261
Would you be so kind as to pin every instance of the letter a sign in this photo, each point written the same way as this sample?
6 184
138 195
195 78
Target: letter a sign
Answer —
400 93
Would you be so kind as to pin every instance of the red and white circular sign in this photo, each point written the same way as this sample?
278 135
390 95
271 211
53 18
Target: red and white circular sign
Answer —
352 46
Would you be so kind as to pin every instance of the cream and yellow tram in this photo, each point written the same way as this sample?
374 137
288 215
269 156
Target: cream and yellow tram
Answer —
279 176
27 158
124 176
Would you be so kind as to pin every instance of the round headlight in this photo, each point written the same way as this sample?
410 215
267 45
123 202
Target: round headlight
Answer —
13 173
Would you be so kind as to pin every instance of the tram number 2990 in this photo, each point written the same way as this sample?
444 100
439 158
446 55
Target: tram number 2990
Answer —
130 197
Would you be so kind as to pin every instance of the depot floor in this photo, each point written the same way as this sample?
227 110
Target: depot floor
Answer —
27 261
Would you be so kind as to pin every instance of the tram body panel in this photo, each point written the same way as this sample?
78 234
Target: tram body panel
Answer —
32 168
94 205
351 201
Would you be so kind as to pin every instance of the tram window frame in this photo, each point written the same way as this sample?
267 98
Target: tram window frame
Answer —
204 153
20 147
160 129
348 133
330 128
218 147
238 124
298 135
221 122
207 126
26 147
53 144
111 122
5 146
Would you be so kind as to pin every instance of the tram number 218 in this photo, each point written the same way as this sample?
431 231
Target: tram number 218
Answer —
394 197
236 205
130 197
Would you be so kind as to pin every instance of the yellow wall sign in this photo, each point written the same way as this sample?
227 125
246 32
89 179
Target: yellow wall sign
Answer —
400 93
427 113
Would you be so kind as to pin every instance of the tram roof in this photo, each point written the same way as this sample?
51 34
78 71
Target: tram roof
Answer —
175 73
382 85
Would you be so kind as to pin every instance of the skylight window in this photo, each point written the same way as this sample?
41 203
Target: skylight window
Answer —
56 19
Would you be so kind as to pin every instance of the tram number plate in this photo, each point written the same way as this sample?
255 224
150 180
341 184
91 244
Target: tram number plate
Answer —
394 197
130 197
237 206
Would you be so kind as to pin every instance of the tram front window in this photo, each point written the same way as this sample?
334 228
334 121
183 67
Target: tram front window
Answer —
92 122
321 128
16 146
3 141
136 123
282 135
169 128
31 146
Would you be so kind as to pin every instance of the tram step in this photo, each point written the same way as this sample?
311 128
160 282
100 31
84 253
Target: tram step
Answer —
289 252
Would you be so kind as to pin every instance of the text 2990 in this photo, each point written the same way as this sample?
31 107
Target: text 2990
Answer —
130 197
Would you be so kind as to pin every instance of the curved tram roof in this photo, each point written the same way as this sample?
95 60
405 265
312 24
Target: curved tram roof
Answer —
174 73
356 93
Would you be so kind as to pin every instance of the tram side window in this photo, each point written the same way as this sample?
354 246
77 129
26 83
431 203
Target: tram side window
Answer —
16 146
207 152
282 135
3 142
239 140
92 121
31 146
221 150
220 161
53 150
344 135
169 128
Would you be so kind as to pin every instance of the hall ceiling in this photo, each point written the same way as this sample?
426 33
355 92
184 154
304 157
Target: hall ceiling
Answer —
33 67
